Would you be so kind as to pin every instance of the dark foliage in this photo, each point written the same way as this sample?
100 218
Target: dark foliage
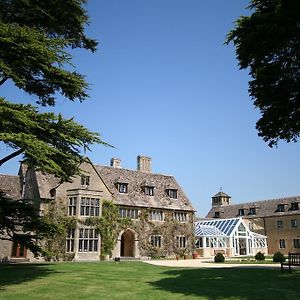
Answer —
278 257
259 256
268 43
219 257
21 220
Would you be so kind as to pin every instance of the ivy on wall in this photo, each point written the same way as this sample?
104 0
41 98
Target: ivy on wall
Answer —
109 226
168 230
55 248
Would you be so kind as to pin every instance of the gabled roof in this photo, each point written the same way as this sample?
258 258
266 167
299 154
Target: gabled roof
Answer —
45 183
136 180
263 208
11 186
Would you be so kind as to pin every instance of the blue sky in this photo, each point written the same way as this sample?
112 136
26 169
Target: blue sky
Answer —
163 84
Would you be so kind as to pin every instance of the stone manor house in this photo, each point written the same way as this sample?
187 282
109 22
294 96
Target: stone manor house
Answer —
162 216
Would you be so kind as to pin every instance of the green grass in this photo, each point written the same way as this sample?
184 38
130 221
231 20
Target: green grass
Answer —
136 280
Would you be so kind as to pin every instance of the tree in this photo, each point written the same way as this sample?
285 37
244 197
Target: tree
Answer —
268 43
20 220
48 142
36 38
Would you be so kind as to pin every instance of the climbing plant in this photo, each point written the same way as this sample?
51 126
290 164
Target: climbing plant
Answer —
109 226
54 248
168 230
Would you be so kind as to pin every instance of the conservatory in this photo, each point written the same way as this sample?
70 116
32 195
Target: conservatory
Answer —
231 237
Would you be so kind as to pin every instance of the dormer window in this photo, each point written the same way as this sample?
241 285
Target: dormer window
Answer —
280 207
172 193
252 211
123 188
85 180
149 190
217 214
241 212
295 206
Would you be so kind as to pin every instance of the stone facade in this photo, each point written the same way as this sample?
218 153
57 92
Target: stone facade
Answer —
278 219
162 216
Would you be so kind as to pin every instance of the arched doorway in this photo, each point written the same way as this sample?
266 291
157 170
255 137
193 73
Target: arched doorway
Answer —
127 244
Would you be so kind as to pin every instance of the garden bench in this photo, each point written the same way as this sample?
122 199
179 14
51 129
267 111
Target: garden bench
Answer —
293 260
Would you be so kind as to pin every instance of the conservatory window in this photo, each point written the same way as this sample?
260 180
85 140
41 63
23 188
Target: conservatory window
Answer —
199 242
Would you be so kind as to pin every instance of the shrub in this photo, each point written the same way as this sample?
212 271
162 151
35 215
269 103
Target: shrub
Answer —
219 257
278 257
259 256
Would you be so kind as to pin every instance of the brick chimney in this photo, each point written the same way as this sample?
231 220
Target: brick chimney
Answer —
144 163
115 163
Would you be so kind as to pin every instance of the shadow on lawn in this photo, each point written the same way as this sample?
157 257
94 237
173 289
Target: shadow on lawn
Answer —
231 283
19 273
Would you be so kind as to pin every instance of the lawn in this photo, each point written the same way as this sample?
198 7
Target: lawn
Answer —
136 280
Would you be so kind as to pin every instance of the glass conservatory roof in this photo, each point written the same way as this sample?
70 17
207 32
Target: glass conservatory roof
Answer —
207 230
222 227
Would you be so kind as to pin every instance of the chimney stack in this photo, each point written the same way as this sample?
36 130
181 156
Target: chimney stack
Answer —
115 163
144 163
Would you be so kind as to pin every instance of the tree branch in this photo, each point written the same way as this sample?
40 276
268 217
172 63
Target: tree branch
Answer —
10 156
3 80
